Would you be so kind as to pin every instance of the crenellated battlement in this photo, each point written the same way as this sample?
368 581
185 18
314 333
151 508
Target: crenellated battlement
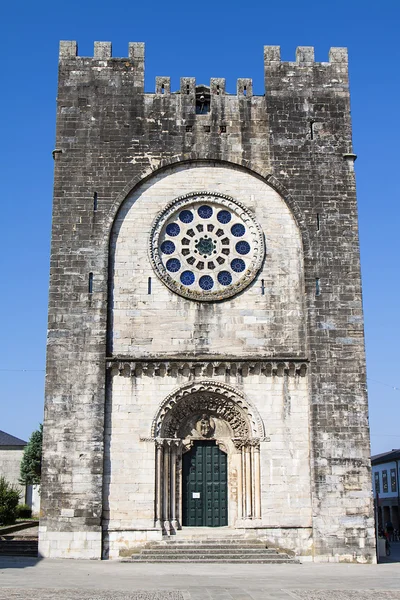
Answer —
276 70
304 56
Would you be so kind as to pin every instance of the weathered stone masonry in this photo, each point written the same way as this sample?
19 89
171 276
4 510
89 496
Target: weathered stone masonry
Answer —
120 342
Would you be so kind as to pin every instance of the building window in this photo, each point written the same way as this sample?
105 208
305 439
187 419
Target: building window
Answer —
393 485
385 486
377 483
206 246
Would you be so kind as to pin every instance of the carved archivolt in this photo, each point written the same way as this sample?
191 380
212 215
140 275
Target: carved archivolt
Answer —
218 400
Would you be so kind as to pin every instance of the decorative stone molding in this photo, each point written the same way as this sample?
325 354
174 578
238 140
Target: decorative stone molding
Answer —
206 246
214 398
173 368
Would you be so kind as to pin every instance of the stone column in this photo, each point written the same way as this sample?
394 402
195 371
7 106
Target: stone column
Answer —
243 477
166 498
159 467
248 512
240 490
257 482
174 522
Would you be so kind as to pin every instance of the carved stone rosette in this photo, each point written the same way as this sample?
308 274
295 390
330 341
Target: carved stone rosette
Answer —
206 246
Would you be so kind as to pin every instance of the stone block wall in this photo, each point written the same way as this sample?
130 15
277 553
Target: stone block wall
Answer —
10 462
111 136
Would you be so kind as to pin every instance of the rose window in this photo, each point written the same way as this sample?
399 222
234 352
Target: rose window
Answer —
206 246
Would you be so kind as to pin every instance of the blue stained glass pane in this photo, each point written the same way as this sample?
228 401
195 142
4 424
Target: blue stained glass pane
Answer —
238 265
173 229
167 247
187 278
225 278
242 248
206 282
173 265
224 216
186 216
205 211
238 229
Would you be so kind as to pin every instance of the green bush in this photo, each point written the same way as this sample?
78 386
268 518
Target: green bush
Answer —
24 511
9 498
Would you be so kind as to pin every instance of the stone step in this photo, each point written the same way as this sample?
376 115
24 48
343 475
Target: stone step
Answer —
220 559
208 550
221 546
214 542
19 548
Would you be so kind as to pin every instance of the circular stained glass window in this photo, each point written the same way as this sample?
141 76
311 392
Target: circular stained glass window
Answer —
173 265
238 265
206 282
187 278
238 230
186 216
173 229
205 260
205 212
224 216
225 278
168 247
242 247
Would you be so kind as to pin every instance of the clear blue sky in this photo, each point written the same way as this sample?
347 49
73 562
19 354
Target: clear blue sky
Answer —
202 40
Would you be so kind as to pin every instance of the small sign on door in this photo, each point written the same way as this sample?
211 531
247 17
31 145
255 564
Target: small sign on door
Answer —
195 494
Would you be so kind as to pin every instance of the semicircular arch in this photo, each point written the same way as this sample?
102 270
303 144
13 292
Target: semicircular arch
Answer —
196 160
217 399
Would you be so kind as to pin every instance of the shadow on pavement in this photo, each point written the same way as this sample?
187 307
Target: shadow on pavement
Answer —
18 562
394 554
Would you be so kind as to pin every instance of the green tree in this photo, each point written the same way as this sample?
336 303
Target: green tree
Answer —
31 463
9 498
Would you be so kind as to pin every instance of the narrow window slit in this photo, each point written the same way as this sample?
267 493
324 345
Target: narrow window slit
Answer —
187 89
95 201
149 285
262 287
244 90
217 90
90 286
311 130
317 287
318 222
162 88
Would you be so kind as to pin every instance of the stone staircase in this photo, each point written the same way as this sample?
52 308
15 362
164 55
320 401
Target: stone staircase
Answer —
16 546
224 550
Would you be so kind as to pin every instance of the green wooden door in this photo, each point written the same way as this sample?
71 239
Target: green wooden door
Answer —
204 486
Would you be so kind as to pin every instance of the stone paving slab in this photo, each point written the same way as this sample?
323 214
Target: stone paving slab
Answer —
344 594
52 594
196 594
35 579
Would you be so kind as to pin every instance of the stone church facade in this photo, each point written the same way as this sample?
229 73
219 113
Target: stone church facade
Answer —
205 362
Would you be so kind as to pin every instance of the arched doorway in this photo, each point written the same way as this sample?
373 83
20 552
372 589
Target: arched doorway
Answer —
207 458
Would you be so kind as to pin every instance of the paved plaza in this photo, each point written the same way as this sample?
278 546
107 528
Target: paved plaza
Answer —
32 579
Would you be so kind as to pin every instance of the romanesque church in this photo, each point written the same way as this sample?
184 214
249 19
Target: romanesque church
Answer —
205 364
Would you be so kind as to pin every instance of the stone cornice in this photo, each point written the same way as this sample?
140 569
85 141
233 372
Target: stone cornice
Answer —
201 368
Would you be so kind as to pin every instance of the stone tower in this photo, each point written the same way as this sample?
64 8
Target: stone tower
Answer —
205 362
